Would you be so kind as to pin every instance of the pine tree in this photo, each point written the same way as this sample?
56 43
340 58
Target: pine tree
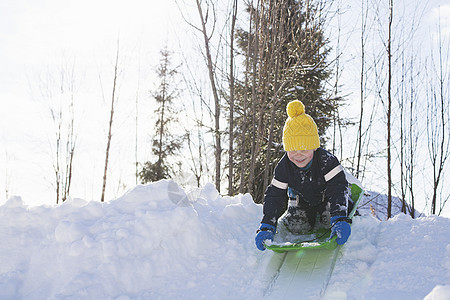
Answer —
286 52
165 143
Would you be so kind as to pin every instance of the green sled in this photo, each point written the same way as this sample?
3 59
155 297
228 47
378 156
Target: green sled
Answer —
319 239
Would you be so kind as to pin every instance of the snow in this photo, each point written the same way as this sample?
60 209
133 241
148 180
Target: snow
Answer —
159 241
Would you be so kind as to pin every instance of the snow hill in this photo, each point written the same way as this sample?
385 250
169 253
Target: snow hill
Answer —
160 242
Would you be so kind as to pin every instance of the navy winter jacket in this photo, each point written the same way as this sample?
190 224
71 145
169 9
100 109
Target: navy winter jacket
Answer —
323 181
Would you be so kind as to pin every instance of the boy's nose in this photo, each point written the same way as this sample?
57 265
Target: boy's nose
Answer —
300 152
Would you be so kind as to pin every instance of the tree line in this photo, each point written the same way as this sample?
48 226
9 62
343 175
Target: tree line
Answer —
259 55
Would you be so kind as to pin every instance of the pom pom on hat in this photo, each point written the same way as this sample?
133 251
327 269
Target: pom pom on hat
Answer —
295 109
300 130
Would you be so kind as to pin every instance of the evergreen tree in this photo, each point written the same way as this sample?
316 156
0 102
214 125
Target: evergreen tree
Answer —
286 52
165 143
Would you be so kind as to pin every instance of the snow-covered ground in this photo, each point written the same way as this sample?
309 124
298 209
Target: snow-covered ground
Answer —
160 242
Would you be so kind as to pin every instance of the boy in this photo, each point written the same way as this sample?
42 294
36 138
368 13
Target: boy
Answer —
313 180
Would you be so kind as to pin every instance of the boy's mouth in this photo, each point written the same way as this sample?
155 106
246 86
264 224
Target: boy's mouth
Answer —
300 161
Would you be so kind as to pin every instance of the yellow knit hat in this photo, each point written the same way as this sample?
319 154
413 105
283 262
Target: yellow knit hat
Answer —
300 130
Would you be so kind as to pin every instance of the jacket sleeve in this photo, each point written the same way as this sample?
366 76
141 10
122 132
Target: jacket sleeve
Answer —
275 197
337 189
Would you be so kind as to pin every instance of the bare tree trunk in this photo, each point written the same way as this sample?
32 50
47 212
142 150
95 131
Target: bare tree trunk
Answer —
218 147
364 14
57 167
336 118
70 148
438 130
401 100
136 120
108 144
60 99
231 124
413 140
253 130
389 112
271 129
245 116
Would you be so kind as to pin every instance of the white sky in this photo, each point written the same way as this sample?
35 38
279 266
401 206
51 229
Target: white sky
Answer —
37 37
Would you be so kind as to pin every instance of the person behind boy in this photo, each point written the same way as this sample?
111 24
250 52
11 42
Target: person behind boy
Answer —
313 181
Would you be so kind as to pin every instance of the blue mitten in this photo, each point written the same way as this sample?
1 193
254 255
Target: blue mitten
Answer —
265 232
341 228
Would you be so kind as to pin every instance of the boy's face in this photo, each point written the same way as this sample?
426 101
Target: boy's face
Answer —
301 158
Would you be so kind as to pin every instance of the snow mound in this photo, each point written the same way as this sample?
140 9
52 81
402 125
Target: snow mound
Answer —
153 242
440 292
159 241
375 204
